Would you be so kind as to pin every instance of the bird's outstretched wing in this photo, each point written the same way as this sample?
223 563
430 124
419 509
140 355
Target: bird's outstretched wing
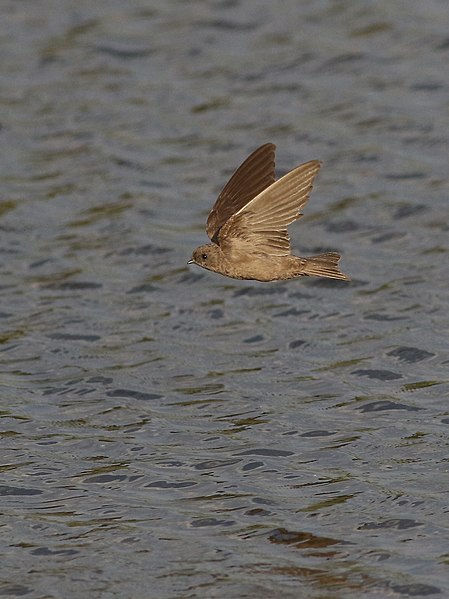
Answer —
252 177
261 225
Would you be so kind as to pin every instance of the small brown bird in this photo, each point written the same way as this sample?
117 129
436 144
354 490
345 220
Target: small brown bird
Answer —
248 224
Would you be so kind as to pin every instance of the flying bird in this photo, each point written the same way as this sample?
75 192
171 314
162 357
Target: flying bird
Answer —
248 224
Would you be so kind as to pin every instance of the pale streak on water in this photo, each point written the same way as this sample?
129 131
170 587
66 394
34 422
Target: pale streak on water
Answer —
170 433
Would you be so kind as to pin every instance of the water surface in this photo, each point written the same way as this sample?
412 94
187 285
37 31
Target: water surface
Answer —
167 432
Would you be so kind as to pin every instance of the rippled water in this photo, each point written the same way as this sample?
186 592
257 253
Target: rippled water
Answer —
167 432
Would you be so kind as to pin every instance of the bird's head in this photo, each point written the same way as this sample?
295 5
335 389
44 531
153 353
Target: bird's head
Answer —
207 256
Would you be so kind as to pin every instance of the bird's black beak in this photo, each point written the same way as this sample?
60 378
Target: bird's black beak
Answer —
190 262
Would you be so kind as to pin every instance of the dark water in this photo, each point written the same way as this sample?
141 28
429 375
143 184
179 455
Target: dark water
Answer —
167 432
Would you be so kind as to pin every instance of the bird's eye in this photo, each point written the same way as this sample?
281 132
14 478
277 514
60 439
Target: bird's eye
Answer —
204 256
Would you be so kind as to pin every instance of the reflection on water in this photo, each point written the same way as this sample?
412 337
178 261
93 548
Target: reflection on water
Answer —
171 429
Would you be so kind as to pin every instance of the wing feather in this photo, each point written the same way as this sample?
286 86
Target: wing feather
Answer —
262 223
254 175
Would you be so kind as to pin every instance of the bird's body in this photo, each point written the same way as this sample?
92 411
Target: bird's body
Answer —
264 267
247 225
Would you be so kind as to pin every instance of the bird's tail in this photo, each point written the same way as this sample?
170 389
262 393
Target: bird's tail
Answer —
324 265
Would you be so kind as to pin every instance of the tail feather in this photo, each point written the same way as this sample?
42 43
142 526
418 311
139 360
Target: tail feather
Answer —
324 265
